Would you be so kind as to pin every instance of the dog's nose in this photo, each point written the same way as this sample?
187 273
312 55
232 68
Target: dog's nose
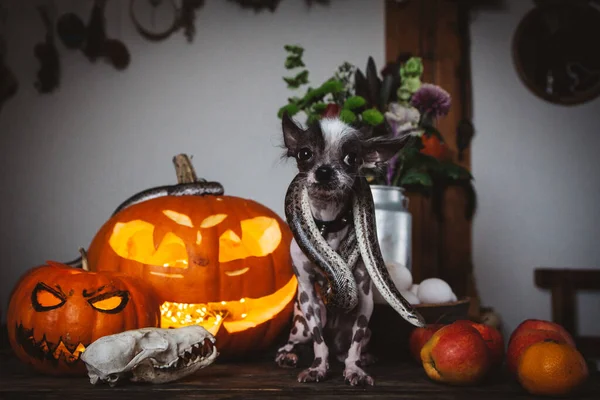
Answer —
324 173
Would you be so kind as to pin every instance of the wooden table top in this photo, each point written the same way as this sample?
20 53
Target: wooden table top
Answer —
262 380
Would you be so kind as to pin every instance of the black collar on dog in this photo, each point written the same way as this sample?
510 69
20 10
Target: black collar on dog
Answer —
336 225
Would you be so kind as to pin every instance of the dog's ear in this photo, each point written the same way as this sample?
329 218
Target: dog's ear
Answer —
291 132
378 150
365 132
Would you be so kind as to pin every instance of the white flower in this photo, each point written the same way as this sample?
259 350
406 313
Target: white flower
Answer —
403 120
402 115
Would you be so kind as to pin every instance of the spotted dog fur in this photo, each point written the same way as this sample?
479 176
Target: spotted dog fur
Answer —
335 267
348 334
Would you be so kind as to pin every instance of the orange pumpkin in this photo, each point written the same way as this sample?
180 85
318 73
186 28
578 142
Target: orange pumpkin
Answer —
55 311
219 261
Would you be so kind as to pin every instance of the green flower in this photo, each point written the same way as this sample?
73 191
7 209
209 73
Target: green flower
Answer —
412 68
372 117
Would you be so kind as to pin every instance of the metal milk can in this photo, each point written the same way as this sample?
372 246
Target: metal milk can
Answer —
394 224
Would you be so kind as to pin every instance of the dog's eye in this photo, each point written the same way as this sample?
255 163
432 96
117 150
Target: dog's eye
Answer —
350 159
304 154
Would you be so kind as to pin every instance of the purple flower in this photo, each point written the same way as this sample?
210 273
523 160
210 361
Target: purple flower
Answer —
431 99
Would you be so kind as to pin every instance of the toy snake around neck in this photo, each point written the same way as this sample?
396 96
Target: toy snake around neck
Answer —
337 267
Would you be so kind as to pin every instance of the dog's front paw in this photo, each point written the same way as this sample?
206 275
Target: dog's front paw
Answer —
355 376
286 359
312 375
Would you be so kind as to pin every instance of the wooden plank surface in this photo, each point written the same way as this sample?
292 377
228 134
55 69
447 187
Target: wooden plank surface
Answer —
262 380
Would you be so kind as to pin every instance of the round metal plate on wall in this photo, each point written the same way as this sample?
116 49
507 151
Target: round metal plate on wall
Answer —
555 52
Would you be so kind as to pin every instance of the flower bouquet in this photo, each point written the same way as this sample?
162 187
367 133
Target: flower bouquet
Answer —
395 103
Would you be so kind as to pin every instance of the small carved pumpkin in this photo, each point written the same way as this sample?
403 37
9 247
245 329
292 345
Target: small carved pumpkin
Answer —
222 262
55 311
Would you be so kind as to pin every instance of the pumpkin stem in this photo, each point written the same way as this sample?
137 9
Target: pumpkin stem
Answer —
184 169
84 260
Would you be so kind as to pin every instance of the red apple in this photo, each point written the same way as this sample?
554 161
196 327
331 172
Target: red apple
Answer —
519 343
543 325
457 355
418 338
493 339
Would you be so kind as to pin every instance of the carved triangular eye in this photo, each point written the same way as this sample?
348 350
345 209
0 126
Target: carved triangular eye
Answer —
46 298
110 303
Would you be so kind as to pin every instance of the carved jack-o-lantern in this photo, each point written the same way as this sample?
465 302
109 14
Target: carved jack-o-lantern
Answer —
218 261
55 311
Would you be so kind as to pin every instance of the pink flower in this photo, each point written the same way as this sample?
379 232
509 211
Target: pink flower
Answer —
431 99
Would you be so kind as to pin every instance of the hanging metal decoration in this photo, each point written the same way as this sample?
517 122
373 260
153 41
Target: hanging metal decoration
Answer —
143 15
8 81
98 45
48 76
258 5
71 31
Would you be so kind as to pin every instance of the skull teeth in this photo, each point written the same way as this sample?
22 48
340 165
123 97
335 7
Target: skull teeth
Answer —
198 352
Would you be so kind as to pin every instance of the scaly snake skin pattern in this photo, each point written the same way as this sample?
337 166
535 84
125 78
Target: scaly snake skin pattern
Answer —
362 242
366 235
199 188
349 249
342 291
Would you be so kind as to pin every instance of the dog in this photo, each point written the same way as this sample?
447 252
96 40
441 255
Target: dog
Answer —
331 155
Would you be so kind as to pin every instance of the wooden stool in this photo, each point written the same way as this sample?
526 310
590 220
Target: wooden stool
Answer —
563 285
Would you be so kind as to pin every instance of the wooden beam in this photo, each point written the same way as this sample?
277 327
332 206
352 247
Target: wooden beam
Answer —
434 30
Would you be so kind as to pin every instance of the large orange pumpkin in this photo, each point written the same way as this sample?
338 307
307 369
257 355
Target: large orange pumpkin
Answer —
222 262
55 311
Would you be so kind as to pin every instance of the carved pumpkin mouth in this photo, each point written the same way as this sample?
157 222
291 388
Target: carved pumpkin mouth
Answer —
234 316
45 350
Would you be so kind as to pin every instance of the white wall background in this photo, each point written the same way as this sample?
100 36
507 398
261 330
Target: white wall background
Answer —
536 166
68 159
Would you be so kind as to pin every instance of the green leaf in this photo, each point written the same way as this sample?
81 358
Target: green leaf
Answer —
298 80
455 171
416 177
432 131
332 86
372 117
292 62
292 109
319 107
347 116
312 95
312 118
354 102
297 50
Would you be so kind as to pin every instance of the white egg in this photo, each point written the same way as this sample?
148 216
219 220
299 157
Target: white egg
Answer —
434 290
414 288
410 297
400 275
454 298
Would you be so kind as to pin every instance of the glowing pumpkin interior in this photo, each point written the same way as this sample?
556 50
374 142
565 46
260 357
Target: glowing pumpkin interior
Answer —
260 236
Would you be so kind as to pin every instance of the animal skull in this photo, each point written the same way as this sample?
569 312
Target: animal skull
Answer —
154 355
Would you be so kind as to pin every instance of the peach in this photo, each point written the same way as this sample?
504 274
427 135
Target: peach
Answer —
519 343
418 338
457 355
493 339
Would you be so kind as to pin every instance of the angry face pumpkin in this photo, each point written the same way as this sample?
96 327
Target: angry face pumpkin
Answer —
222 262
55 311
